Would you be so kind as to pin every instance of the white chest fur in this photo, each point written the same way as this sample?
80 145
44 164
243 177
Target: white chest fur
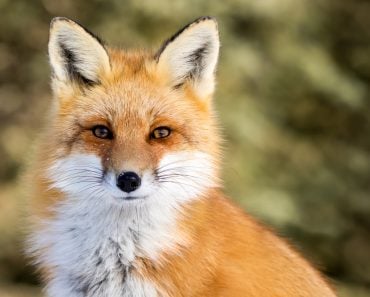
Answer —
92 246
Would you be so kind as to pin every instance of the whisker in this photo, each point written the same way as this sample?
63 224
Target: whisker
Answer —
176 175
195 185
185 166
78 179
196 179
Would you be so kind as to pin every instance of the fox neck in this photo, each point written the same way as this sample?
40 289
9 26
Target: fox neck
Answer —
136 229
88 241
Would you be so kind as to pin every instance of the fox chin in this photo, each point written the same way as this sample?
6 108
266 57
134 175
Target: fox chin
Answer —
126 197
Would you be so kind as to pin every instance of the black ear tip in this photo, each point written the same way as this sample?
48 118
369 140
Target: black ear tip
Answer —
59 19
203 19
74 23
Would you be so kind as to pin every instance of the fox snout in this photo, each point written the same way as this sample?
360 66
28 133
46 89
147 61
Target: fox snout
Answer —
128 181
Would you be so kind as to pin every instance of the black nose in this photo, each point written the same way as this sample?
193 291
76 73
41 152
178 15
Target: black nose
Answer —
128 181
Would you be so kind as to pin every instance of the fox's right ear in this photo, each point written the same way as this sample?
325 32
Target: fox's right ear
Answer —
75 54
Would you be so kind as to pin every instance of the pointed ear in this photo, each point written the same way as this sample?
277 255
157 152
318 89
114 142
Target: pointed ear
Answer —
191 56
75 54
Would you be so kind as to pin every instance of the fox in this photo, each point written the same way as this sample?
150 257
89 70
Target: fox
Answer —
126 196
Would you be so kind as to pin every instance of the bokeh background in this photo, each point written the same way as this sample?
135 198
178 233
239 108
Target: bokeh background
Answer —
293 97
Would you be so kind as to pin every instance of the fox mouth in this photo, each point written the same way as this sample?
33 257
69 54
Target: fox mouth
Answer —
131 198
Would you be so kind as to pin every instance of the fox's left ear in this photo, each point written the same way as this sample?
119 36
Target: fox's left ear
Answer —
75 54
191 56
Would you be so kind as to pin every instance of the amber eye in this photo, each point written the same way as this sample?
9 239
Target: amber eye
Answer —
103 132
160 132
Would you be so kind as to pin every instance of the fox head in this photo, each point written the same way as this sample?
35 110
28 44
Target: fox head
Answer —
133 127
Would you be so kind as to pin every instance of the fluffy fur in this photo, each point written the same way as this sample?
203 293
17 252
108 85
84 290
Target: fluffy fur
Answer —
75 52
192 53
177 234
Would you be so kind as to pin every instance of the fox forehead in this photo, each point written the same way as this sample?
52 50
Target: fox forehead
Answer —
134 92
132 101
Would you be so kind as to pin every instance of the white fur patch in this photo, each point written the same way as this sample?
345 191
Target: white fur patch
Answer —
96 235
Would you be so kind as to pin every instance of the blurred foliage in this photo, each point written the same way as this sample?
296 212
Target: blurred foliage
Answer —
293 96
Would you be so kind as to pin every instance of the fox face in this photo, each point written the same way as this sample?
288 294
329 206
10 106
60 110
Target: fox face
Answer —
133 127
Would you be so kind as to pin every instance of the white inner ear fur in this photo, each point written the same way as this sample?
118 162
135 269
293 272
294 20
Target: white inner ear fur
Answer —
193 55
89 56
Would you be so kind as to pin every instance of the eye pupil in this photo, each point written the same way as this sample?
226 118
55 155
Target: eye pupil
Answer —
102 132
161 132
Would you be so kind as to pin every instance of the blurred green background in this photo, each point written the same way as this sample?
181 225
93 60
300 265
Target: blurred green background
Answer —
293 97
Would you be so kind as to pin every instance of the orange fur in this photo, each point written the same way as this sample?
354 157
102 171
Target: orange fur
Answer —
232 255
227 252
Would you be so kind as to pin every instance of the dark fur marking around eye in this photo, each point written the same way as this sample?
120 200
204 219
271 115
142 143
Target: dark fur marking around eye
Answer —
73 72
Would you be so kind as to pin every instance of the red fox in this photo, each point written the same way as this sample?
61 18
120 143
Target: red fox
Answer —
126 196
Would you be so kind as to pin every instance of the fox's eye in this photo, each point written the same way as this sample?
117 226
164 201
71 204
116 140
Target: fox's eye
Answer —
101 131
160 132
